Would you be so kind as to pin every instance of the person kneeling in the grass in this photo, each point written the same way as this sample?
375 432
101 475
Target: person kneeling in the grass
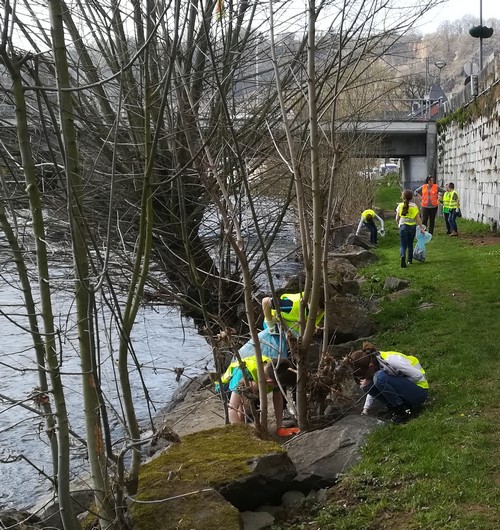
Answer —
395 379
275 370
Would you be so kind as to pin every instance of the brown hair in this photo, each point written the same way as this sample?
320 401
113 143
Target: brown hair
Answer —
360 362
407 197
369 217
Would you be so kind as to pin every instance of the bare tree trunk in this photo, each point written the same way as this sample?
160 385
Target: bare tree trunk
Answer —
84 308
61 448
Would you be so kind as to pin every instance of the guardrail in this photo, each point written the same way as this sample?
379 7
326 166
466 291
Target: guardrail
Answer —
402 110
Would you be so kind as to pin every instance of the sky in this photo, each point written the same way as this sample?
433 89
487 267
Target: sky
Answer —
455 9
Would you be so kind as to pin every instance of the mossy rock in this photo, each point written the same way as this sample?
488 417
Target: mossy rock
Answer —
189 474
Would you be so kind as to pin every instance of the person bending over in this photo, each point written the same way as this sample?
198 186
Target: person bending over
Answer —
368 221
392 378
276 370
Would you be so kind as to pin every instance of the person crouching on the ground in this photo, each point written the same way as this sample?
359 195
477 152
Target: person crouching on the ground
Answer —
368 221
451 204
275 370
408 218
429 196
395 379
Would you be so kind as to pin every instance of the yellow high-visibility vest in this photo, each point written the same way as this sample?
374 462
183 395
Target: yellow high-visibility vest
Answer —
413 361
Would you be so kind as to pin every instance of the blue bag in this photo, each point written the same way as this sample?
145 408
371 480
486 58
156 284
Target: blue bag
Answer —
272 345
419 252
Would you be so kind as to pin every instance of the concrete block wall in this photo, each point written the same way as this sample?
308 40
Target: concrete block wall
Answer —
469 156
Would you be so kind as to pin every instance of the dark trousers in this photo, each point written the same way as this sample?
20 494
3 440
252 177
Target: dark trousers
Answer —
429 214
395 391
373 231
406 238
447 221
452 220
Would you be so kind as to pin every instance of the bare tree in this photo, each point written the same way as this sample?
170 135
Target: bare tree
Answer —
163 124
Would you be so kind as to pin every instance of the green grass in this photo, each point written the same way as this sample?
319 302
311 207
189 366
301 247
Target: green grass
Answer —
388 193
441 470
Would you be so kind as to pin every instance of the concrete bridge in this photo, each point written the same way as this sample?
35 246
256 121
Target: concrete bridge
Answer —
409 134
466 151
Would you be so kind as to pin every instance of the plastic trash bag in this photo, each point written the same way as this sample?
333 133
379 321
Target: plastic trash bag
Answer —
272 345
419 252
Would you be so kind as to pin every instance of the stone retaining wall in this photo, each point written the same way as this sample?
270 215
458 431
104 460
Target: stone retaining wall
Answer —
469 151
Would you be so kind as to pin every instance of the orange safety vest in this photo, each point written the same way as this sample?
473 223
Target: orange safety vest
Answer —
429 197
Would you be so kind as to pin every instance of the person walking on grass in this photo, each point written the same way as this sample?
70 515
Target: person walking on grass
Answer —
429 197
392 378
451 205
407 217
368 221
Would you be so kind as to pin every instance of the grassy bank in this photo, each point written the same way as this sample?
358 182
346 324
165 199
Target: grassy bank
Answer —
441 470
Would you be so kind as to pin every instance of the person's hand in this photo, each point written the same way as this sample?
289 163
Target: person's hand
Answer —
364 412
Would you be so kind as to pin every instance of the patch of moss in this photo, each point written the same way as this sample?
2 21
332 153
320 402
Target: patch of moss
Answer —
189 473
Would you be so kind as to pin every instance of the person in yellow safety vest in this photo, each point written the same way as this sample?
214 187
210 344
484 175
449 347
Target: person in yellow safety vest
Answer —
408 218
451 205
368 221
289 304
429 197
275 370
392 378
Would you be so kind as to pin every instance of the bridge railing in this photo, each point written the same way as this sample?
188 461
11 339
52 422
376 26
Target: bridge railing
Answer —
402 110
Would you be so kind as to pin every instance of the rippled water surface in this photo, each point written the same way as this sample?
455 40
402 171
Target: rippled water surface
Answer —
162 341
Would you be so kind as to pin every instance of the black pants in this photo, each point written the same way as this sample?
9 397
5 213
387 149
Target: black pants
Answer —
372 227
429 214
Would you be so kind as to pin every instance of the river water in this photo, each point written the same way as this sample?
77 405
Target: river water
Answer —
162 341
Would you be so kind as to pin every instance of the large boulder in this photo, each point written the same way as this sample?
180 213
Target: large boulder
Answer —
340 269
320 456
349 320
270 477
21 520
361 241
358 256
208 477
342 234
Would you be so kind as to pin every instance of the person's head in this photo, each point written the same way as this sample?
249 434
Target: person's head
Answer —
280 370
429 180
364 362
369 217
407 195
450 186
